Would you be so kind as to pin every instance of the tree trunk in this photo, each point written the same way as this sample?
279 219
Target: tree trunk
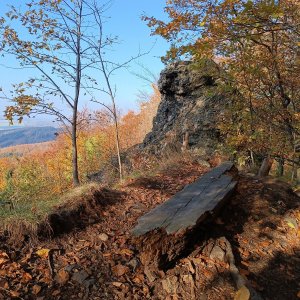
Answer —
252 158
265 167
76 181
294 172
185 143
118 145
280 167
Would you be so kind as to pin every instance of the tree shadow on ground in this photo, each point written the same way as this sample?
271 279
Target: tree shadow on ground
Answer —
256 214
253 222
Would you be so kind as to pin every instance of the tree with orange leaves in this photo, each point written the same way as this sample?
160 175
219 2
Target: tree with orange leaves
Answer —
256 44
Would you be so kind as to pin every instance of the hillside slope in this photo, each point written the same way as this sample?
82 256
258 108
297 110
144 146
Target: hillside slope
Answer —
98 260
27 135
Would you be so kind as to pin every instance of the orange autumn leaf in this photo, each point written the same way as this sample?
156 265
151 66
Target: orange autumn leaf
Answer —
26 277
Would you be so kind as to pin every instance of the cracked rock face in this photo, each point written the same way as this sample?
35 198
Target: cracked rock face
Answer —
190 108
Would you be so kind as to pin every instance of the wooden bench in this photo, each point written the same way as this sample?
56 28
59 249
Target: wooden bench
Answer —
163 234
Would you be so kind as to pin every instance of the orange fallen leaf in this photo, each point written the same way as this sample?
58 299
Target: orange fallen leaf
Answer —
46 279
126 252
3 254
4 258
246 253
298 294
14 294
119 270
3 261
55 293
36 289
265 243
117 284
138 278
207 273
244 272
106 254
62 276
4 284
244 263
26 277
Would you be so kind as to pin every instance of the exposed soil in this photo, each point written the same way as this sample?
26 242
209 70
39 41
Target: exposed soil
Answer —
94 258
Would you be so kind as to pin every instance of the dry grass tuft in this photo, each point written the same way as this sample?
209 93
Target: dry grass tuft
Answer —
79 194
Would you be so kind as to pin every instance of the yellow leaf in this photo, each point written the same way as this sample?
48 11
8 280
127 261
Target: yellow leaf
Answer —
126 252
291 225
43 253
242 294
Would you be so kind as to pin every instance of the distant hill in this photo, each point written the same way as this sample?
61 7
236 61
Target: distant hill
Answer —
26 135
24 149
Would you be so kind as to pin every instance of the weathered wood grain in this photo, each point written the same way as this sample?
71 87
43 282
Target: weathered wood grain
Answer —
162 234
186 207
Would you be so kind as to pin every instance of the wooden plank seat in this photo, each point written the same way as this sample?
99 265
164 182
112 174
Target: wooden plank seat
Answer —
162 234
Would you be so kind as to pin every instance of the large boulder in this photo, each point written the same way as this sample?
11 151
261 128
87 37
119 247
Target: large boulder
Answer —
189 110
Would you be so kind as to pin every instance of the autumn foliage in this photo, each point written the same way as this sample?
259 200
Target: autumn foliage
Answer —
256 46
44 174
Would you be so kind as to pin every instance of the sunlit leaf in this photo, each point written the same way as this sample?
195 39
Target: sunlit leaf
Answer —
43 253
242 294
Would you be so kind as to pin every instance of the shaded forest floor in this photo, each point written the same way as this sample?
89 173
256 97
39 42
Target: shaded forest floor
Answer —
93 257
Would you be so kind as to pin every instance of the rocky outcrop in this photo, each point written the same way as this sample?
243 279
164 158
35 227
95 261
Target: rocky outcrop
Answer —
187 117
189 110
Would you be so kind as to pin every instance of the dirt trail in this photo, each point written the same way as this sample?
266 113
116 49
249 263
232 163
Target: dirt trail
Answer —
98 260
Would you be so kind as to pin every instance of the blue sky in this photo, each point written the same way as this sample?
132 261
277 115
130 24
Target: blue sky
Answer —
125 22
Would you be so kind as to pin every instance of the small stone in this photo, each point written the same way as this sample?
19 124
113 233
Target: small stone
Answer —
204 163
80 277
170 284
133 263
70 268
103 237
217 254
89 282
149 274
